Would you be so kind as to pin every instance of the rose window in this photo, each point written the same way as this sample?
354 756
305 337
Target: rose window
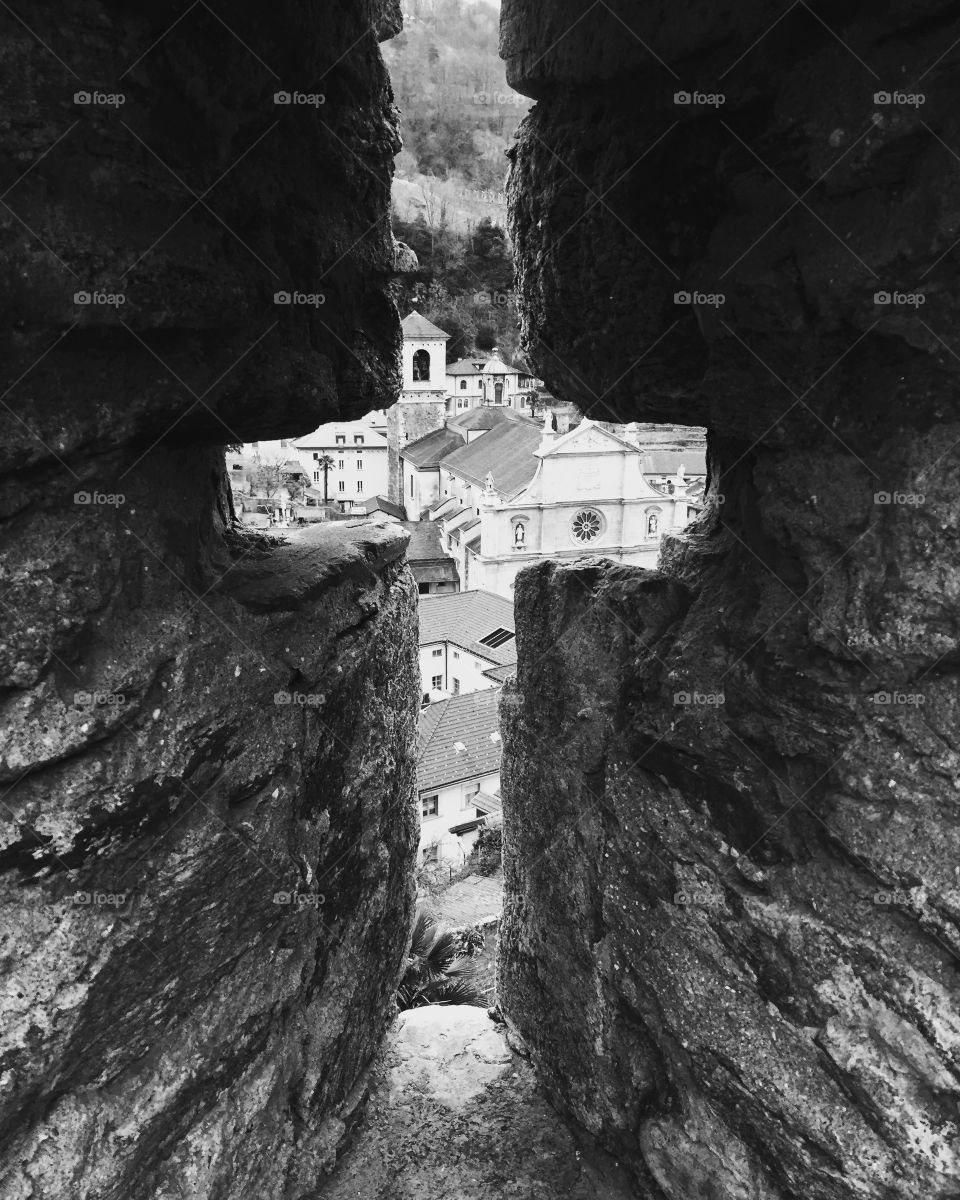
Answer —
587 525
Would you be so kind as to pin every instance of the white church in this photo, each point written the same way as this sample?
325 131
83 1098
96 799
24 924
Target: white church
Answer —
506 490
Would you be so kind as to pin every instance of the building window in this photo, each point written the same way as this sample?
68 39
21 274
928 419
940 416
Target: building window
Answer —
436 682
238 466
456 654
411 485
421 367
340 463
359 464
463 403
429 806
316 477
587 525
359 485
498 393
470 793
358 439
342 486
341 439
456 687
463 385
437 653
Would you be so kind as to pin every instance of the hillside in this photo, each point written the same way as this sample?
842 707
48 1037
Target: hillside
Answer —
458 119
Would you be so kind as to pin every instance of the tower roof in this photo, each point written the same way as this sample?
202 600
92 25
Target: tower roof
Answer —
417 326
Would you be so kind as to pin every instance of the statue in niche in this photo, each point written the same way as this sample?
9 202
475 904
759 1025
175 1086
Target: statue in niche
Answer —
519 535
652 525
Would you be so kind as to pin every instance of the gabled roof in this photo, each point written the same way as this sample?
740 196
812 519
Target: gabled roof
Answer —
325 438
430 450
500 674
425 544
592 435
463 618
485 416
382 504
506 452
465 720
488 366
416 326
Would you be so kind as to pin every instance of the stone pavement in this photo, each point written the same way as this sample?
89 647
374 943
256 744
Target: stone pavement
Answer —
456 1114
473 899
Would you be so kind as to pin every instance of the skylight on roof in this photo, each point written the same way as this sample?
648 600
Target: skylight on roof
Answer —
497 638
460 747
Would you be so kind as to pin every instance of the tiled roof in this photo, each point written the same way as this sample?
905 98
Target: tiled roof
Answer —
501 674
505 452
668 462
485 416
424 542
497 366
463 618
325 438
382 504
416 326
433 448
468 720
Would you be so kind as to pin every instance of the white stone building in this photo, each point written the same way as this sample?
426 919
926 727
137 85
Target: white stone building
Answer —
485 379
523 492
357 451
467 643
458 773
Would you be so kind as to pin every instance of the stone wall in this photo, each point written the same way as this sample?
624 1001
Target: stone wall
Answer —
731 839
407 422
208 752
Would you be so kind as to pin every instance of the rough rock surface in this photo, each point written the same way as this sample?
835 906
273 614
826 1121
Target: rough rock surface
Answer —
204 887
456 1114
731 787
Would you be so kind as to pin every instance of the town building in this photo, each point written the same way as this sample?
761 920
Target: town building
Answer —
432 392
458 773
485 379
434 571
523 492
347 461
422 406
467 643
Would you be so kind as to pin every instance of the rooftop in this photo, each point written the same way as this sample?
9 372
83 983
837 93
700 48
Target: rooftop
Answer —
506 452
488 365
469 722
424 542
417 326
432 449
466 619
486 416
382 504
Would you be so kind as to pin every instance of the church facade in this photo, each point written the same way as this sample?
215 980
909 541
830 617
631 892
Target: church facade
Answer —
588 495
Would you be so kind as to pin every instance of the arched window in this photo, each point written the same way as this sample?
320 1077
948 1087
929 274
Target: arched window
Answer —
498 393
421 366
463 385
